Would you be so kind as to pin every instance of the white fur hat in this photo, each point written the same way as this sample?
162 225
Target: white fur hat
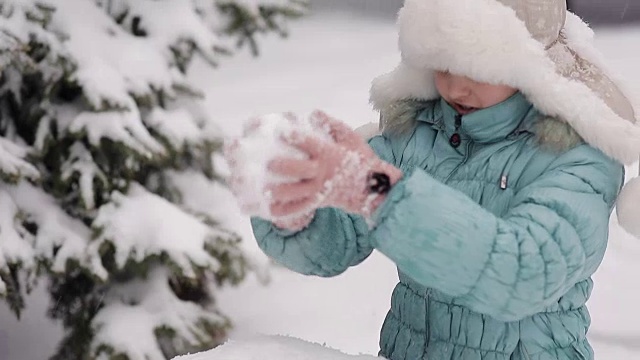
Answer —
536 46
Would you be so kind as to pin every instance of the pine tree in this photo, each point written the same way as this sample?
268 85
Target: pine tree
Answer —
103 142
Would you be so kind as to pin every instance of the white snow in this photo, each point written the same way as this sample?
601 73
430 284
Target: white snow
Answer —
177 125
13 248
115 67
254 7
170 21
122 75
112 63
198 193
139 307
138 222
58 232
274 348
123 126
12 160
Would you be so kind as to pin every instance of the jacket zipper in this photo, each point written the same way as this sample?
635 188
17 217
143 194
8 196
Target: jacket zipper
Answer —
467 155
455 140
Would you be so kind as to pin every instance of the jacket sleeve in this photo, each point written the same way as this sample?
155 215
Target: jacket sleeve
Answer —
332 242
553 235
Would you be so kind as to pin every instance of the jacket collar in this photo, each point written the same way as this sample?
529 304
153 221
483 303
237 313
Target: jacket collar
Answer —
488 125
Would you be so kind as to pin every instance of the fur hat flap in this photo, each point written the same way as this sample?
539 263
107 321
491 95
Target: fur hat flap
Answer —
403 83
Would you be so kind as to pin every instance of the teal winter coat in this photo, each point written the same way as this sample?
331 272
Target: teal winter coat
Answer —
495 240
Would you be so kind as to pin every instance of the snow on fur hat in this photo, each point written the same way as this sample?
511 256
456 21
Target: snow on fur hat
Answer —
536 46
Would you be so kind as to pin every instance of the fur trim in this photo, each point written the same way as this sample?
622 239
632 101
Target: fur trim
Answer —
556 135
404 82
485 40
400 117
552 134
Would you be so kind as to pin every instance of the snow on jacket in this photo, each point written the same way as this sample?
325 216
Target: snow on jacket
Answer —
495 241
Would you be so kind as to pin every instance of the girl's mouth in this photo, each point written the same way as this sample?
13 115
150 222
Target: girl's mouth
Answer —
463 109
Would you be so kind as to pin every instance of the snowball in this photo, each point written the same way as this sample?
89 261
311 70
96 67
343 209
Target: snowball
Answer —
261 143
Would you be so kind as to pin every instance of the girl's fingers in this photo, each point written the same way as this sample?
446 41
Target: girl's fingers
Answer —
282 209
294 168
339 131
310 145
320 120
292 192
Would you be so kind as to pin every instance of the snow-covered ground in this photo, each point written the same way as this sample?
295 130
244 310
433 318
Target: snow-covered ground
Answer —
273 347
328 63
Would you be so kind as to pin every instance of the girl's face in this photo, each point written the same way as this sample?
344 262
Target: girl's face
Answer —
466 95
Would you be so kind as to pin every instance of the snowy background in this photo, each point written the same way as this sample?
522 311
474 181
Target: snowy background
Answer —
328 63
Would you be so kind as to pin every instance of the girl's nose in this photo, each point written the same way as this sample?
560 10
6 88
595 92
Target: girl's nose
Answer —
459 87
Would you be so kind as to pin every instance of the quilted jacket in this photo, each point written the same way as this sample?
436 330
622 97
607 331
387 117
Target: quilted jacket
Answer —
495 240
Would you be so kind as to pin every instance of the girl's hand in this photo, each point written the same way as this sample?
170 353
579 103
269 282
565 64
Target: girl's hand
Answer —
342 135
335 174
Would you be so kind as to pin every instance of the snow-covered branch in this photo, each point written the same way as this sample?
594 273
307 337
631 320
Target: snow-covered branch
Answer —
97 120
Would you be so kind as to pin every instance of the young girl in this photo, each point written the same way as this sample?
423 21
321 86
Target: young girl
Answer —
491 186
